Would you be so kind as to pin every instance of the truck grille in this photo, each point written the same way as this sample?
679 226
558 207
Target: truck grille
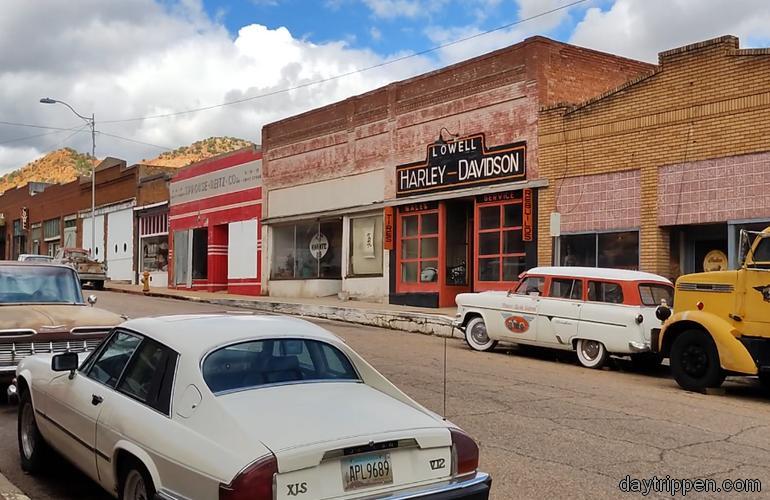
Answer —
705 287
12 352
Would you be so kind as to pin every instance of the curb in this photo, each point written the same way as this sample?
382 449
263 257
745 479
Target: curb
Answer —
8 491
414 322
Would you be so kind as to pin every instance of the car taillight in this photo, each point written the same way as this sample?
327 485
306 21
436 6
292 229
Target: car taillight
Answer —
465 453
252 483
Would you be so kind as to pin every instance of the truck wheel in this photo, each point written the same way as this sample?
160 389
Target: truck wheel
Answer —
695 361
591 353
99 285
476 335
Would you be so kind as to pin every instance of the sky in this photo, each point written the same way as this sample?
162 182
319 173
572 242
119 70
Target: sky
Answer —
140 65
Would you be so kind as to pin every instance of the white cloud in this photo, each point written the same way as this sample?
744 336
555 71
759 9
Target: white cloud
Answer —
642 29
137 58
375 33
12 158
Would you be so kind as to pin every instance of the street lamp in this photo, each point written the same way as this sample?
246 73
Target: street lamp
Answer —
91 123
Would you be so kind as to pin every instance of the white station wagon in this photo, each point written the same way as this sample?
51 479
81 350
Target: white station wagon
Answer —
235 408
594 311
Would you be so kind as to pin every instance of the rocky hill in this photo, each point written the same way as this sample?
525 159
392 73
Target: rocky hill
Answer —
197 151
65 165
61 165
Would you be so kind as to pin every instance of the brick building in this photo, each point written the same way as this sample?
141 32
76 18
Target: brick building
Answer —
60 215
663 171
425 188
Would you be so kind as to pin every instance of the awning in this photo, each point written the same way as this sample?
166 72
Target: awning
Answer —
464 193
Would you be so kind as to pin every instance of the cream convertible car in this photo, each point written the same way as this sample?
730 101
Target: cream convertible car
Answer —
238 407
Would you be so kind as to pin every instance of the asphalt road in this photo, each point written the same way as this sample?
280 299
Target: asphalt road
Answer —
547 427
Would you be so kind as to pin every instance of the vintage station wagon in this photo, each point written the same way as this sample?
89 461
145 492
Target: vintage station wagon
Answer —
596 312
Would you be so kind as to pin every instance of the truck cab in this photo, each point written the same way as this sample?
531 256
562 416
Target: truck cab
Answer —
720 321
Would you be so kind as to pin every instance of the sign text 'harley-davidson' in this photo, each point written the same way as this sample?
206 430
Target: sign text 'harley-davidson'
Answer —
461 163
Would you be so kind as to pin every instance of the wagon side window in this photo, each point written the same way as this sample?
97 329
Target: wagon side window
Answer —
566 288
605 291
531 285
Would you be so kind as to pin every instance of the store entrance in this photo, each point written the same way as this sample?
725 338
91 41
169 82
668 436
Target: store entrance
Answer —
457 260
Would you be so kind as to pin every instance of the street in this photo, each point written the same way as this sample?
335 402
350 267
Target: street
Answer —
546 426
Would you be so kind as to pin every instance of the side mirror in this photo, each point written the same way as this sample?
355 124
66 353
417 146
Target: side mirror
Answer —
65 362
92 300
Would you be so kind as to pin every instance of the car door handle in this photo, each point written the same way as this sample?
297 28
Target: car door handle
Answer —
96 400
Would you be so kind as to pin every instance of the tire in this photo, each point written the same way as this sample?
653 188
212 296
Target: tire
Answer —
33 449
646 361
135 482
591 353
476 335
695 361
98 285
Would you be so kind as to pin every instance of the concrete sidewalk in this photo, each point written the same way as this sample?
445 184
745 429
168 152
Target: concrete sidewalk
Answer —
10 492
404 318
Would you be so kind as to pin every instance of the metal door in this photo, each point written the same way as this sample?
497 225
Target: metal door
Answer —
98 252
182 258
120 245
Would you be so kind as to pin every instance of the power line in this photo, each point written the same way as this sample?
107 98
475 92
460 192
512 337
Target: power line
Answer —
30 125
49 148
133 140
349 73
36 135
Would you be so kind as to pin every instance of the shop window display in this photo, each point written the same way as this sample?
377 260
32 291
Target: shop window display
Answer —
307 250
366 246
619 250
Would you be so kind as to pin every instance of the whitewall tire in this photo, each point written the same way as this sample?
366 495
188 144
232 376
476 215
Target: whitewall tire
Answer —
591 353
476 335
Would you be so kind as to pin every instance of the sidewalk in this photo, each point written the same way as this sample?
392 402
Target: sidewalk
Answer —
404 318
10 492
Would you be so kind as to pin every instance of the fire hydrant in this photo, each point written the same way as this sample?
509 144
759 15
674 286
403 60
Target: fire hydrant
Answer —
145 282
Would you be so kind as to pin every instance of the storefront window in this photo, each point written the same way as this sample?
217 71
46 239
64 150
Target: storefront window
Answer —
617 250
419 247
501 254
366 246
307 250
154 253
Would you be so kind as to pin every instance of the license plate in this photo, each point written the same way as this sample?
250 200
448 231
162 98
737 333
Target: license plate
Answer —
366 470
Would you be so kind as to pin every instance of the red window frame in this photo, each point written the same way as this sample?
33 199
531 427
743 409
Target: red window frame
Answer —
499 284
419 286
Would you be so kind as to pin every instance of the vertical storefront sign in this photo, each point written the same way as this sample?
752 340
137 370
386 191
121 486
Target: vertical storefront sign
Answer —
387 226
527 231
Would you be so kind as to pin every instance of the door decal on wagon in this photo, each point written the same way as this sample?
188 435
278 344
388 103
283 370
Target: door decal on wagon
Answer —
516 324
765 291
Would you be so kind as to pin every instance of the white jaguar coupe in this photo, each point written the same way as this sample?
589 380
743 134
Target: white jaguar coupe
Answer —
235 408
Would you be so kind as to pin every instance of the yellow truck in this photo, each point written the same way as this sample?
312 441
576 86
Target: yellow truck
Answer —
720 321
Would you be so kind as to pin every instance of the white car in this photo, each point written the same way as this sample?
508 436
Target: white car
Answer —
235 408
594 311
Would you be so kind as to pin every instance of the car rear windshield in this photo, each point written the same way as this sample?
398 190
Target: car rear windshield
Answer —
274 361
651 295
24 284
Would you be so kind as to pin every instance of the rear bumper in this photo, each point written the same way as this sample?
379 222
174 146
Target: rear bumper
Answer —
474 488
92 277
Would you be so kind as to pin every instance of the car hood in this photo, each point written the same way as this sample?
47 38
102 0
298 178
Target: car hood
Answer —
300 422
58 317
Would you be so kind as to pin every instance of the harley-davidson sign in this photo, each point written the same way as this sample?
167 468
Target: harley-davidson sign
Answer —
461 163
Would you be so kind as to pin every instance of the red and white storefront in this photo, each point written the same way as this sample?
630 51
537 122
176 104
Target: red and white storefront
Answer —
214 219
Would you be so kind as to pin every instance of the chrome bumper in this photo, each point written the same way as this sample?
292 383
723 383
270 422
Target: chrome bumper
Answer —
638 346
473 488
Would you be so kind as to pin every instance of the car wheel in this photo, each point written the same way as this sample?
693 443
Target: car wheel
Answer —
646 361
591 353
135 483
476 335
32 446
695 361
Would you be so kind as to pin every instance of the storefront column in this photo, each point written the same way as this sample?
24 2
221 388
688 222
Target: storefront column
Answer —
653 240
217 257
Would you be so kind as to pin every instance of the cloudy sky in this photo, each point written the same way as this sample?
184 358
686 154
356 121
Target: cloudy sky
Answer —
135 62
